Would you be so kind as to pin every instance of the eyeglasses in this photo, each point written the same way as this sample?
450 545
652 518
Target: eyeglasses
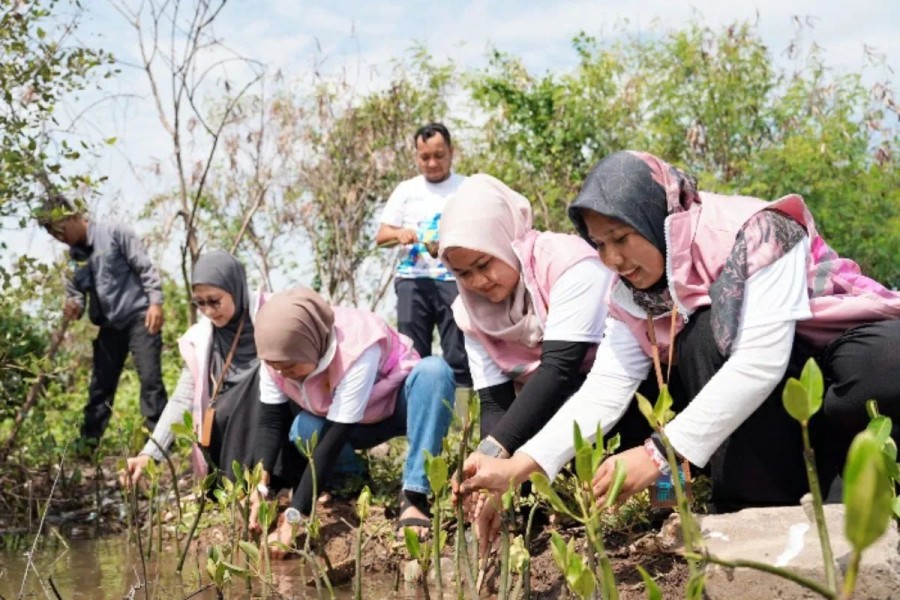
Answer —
210 302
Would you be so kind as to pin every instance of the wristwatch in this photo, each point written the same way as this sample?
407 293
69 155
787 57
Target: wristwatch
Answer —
292 516
491 448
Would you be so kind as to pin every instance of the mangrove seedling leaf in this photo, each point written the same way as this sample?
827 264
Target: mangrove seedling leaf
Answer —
616 487
580 578
250 550
811 378
543 487
868 497
872 408
579 439
362 504
518 555
796 401
412 543
584 463
613 444
560 551
653 590
438 472
662 411
880 426
647 410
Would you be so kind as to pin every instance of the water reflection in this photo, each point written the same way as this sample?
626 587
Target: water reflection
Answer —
107 569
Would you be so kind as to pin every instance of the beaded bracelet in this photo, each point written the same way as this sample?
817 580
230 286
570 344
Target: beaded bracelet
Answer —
656 456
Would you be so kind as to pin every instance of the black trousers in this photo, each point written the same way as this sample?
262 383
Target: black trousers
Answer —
424 303
111 348
761 463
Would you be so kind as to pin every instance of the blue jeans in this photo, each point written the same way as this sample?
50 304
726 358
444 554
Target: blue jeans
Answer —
423 413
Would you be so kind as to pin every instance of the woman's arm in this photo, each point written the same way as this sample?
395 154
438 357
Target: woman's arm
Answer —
575 321
179 403
774 299
274 421
618 370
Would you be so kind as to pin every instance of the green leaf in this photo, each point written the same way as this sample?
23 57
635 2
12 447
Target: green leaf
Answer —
412 543
662 411
653 590
181 430
579 439
872 408
795 401
811 378
518 555
802 398
599 451
868 497
616 487
647 410
897 508
613 444
695 587
880 426
559 550
250 550
543 487
438 472
584 462
362 505
233 568
580 578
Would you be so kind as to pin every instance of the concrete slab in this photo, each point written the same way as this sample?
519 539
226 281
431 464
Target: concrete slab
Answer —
785 536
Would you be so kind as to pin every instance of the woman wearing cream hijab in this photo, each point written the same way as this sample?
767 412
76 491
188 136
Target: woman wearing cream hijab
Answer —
531 305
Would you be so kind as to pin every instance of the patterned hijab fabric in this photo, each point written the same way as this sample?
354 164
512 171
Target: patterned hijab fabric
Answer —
294 327
222 270
642 190
487 216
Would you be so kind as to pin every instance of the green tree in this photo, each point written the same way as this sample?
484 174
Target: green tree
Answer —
40 68
712 101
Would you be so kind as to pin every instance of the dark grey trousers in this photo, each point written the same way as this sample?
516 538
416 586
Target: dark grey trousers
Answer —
424 303
111 348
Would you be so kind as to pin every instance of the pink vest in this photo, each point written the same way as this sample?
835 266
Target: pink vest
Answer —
356 331
699 241
544 257
195 346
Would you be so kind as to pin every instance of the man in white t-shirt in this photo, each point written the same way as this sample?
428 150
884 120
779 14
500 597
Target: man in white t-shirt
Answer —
425 287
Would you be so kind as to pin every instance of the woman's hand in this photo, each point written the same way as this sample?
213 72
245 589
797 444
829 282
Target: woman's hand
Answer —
134 468
254 499
285 534
640 472
494 474
487 521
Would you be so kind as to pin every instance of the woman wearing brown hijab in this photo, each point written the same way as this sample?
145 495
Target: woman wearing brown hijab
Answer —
356 381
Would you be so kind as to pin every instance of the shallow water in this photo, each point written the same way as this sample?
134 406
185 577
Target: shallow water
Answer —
110 568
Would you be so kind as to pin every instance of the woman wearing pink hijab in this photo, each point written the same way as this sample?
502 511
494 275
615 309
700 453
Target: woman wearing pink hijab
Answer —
531 304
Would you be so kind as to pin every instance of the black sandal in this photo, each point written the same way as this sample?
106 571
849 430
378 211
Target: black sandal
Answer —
420 501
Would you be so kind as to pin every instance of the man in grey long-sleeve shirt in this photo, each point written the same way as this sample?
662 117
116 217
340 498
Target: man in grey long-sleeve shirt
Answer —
111 267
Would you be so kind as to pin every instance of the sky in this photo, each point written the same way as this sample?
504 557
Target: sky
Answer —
295 37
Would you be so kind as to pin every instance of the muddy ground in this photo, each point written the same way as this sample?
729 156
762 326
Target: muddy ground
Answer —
87 502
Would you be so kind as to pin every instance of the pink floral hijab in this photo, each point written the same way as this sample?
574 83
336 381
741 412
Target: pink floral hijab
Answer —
485 215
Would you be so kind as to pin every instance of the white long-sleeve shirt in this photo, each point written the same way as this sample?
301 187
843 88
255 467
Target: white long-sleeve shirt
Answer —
775 298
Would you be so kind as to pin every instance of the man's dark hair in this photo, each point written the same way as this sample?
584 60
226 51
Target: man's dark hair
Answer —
426 132
54 209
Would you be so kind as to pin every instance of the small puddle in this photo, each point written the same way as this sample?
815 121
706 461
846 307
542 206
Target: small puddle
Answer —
109 568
